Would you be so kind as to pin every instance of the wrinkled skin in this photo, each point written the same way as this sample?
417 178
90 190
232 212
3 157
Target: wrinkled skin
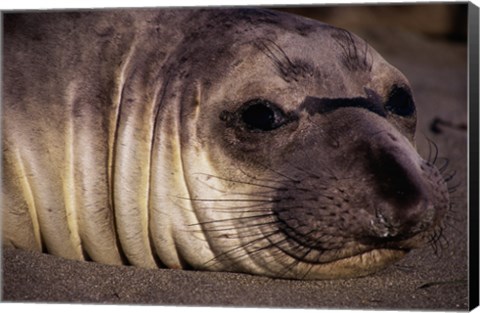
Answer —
232 140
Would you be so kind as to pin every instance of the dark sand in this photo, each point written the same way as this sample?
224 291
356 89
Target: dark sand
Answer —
437 70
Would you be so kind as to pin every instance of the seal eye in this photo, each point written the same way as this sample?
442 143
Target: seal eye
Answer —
400 102
259 114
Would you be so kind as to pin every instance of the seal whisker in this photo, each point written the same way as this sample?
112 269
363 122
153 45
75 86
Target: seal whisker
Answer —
438 242
295 181
452 226
430 145
249 234
310 267
259 179
270 244
266 194
454 188
297 246
228 252
239 181
278 173
444 166
257 208
242 235
289 267
450 176
442 242
351 58
259 194
231 219
304 171
261 45
366 54
279 59
295 260
229 200
452 210
243 210
260 207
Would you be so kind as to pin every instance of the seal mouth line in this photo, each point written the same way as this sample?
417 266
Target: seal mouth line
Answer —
229 253
352 257
302 246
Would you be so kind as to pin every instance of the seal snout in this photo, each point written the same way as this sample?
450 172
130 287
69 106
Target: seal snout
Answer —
404 204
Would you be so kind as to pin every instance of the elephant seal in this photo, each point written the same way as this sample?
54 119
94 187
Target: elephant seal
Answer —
229 140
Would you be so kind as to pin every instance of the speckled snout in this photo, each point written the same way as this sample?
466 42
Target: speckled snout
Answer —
406 199
406 194
376 192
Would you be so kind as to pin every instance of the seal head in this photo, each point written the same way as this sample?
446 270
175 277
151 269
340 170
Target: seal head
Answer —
313 170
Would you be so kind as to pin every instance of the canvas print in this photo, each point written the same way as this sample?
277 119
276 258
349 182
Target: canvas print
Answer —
263 157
